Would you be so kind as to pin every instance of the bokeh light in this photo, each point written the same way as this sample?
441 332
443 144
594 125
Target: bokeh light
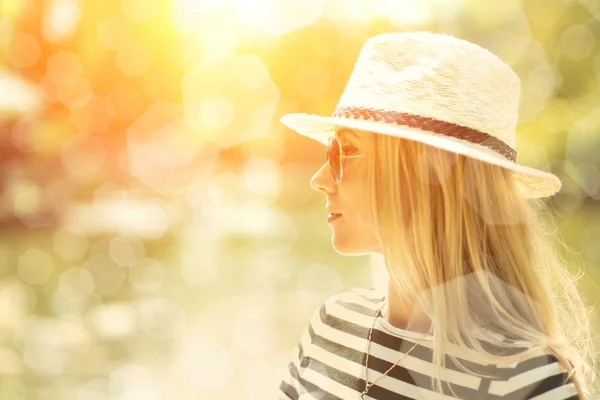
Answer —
18 95
23 51
114 32
134 59
229 99
35 266
60 19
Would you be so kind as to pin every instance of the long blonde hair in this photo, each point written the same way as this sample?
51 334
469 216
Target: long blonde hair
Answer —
461 244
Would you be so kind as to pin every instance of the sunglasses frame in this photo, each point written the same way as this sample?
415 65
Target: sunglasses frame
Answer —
330 141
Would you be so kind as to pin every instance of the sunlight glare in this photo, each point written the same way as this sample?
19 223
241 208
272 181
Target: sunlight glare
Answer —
271 16
406 12
186 13
275 17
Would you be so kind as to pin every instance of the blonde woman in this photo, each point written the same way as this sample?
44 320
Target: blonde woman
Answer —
421 172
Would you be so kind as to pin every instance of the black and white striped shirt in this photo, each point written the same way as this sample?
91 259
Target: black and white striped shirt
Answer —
328 362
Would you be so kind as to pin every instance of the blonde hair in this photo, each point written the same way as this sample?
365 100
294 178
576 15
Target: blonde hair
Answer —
464 247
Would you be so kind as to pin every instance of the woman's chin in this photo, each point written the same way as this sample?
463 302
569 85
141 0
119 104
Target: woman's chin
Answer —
347 247
340 245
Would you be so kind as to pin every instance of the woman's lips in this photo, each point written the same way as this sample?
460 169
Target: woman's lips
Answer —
333 217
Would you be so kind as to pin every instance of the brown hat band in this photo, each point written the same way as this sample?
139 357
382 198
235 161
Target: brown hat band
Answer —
428 124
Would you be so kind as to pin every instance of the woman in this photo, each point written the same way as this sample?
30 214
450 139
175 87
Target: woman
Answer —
421 171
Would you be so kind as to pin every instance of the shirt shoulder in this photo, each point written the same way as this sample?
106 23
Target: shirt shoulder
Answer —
356 295
348 312
361 300
541 374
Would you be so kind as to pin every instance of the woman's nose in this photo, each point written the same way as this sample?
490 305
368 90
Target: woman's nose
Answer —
322 181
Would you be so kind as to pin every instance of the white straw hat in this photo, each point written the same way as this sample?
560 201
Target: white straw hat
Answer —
439 90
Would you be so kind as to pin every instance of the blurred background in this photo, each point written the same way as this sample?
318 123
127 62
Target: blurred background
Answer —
160 239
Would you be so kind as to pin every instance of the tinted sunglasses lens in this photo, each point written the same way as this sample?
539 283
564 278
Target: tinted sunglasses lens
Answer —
333 156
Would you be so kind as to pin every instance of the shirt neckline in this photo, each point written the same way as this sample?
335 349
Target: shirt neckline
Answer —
386 325
382 323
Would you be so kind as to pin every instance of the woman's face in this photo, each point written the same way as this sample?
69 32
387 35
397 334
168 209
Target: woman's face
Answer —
354 230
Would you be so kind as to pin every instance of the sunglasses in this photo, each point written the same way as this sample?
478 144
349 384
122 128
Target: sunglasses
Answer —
335 158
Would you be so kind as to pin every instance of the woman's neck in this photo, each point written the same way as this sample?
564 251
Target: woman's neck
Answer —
401 314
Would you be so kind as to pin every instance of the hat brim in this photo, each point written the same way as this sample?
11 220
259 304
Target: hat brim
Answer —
531 182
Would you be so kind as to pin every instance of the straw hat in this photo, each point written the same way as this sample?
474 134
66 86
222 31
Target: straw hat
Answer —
439 90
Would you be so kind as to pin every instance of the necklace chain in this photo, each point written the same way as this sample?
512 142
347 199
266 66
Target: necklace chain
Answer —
367 384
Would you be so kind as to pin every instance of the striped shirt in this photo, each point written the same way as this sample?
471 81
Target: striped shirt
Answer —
328 363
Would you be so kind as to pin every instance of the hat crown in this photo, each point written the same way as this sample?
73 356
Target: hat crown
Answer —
439 77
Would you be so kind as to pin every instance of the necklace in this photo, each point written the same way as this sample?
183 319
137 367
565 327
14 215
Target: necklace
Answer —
367 384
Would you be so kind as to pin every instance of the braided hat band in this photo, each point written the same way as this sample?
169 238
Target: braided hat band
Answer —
429 124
